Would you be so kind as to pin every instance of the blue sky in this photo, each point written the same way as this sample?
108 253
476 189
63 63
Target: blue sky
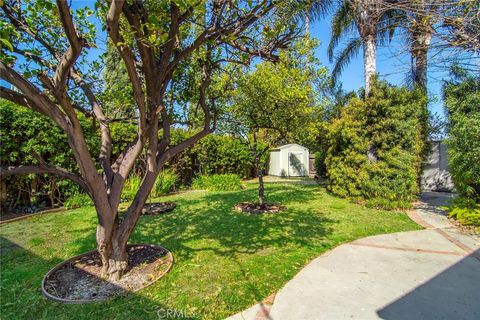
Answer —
392 65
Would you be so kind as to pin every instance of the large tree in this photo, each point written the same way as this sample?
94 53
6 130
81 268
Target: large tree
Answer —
47 56
444 31
369 18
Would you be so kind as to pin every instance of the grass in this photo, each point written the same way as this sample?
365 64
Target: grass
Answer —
224 261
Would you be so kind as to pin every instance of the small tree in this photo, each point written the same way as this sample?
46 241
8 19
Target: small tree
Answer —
44 56
269 105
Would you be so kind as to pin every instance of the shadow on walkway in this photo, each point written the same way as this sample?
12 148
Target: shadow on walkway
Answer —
432 201
452 294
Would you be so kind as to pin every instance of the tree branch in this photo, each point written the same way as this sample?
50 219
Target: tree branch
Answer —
222 33
44 168
37 101
18 98
106 138
134 14
72 53
125 160
113 17
21 24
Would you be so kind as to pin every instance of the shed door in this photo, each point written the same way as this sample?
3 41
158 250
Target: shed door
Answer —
296 168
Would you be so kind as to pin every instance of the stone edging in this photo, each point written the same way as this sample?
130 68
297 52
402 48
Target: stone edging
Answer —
412 214
68 301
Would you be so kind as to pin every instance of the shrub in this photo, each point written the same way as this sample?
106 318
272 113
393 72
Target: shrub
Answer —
24 133
78 200
165 183
217 182
466 211
214 154
376 147
319 163
131 187
462 102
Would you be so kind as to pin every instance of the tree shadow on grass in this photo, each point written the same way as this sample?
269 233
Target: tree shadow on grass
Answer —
207 224
203 223
22 297
240 233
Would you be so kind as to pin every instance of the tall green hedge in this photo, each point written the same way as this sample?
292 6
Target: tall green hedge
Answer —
462 103
23 132
376 147
214 154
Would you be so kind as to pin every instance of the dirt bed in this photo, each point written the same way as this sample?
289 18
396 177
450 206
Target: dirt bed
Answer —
254 208
153 209
79 279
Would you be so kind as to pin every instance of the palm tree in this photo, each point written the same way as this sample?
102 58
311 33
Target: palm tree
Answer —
371 21
420 27
454 24
367 17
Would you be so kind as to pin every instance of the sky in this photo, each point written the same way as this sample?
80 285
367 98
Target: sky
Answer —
392 65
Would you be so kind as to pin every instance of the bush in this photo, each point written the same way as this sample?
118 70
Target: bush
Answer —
78 200
462 102
376 147
319 163
466 211
217 182
166 182
24 133
131 187
214 154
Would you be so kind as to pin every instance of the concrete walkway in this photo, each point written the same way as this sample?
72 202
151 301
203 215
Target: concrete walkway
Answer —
428 274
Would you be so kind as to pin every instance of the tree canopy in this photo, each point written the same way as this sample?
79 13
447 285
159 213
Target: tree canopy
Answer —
50 56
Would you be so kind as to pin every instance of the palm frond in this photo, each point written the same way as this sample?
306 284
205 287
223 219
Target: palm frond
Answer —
318 9
388 23
315 9
351 50
343 21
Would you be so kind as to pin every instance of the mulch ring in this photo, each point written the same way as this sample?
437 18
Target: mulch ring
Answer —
155 208
254 208
78 280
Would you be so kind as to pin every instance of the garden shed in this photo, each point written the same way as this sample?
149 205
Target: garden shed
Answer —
291 160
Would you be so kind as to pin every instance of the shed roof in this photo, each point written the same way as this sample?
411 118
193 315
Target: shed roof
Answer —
288 146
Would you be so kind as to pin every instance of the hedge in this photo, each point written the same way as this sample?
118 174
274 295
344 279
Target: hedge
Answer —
376 147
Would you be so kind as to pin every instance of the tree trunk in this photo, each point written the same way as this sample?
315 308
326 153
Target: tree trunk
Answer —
112 237
112 252
421 70
261 187
369 56
420 53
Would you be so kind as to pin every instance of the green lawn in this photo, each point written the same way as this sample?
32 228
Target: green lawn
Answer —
224 261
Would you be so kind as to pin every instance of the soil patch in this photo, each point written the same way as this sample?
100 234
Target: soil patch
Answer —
155 208
79 280
254 208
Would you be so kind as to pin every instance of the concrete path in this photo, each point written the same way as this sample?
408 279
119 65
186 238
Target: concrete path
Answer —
427 274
